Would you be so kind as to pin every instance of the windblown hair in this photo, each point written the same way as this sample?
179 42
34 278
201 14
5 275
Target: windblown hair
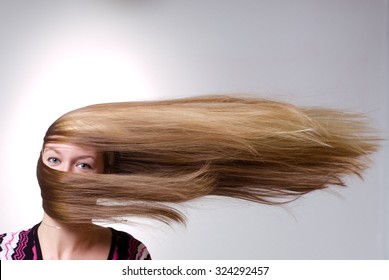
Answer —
163 152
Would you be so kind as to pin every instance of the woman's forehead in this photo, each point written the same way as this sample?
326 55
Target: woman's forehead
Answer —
61 147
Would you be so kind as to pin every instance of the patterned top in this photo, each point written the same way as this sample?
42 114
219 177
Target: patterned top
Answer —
24 245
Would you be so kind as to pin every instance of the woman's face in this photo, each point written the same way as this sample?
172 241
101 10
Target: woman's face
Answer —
72 158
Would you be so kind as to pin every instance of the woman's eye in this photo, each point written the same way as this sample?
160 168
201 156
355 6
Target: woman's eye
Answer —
84 165
53 160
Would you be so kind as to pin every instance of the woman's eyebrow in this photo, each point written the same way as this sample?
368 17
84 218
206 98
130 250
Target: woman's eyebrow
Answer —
52 149
86 156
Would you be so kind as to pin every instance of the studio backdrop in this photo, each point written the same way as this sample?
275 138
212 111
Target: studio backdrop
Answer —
56 56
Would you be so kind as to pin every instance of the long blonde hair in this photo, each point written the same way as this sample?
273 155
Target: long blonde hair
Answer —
172 151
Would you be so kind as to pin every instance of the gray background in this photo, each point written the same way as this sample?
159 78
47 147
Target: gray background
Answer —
59 55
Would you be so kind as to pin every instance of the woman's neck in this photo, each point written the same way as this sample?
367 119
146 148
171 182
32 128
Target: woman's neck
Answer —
59 241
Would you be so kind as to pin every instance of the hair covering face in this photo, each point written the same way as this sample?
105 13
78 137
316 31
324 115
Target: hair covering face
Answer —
163 152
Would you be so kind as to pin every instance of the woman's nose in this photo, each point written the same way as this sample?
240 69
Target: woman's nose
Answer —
65 167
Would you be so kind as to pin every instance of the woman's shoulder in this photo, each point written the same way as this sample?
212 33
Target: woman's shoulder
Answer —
17 245
126 247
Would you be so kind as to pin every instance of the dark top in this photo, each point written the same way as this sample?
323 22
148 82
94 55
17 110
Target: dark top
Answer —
24 245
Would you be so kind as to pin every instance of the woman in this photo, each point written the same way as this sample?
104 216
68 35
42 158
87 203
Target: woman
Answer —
108 162
51 239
